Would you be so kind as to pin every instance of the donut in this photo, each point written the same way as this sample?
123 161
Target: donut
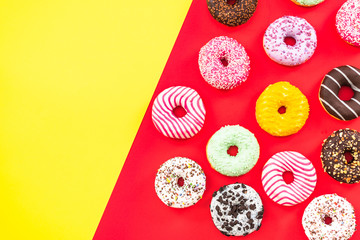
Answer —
347 22
212 68
330 86
167 185
333 157
232 13
293 27
307 3
281 95
165 120
333 207
236 210
298 190
229 136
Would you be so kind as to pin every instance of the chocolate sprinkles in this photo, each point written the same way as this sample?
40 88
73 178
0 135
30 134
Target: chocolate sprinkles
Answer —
232 14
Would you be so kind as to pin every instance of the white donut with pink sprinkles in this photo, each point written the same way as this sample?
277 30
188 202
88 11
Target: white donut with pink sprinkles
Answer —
299 189
348 22
224 63
292 27
178 127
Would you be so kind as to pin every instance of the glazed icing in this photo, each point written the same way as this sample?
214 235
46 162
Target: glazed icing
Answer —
246 158
297 28
304 178
329 90
178 127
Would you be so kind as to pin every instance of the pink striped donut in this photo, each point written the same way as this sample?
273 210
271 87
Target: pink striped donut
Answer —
178 127
298 190
347 22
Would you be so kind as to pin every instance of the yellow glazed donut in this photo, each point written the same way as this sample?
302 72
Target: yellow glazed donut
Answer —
278 96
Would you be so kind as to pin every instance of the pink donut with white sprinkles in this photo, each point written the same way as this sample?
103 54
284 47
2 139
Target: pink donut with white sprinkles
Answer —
348 22
290 27
224 63
178 127
299 189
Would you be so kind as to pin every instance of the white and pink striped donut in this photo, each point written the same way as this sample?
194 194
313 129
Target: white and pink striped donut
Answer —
224 63
178 127
298 190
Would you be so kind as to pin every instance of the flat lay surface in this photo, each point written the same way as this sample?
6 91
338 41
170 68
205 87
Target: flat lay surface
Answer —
135 212
76 79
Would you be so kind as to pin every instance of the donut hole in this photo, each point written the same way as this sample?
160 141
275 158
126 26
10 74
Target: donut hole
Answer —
231 2
282 110
327 220
180 182
179 112
346 93
348 157
224 61
288 177
290 41
233 150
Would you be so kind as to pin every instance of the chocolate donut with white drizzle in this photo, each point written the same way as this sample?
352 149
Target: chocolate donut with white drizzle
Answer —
329 90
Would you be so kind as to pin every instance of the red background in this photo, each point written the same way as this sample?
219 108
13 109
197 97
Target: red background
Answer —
135 212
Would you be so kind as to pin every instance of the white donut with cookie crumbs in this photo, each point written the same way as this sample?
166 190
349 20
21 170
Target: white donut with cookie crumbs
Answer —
236 210
329 217
173 192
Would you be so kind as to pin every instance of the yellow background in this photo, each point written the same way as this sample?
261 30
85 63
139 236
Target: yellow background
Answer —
76 77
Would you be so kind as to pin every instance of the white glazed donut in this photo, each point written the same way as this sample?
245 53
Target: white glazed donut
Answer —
178 127
297 28
168 189
298 190
341 213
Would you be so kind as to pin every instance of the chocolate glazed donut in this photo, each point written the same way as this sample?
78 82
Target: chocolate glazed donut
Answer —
338 77
333 157
232 12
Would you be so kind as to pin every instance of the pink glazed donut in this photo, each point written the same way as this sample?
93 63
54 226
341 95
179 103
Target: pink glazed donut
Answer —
178 127
294 27
348 23
295 192
224 63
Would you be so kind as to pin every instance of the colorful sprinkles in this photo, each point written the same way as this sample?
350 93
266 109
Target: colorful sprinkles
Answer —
294 27
168 189
341 213
213 70
348 22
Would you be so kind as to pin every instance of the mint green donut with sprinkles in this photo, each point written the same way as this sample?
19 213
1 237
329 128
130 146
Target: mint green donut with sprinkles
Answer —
307 3
248 150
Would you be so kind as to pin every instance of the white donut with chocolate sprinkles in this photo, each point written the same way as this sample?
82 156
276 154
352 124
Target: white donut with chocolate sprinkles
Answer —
329 217
180 182
236 210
